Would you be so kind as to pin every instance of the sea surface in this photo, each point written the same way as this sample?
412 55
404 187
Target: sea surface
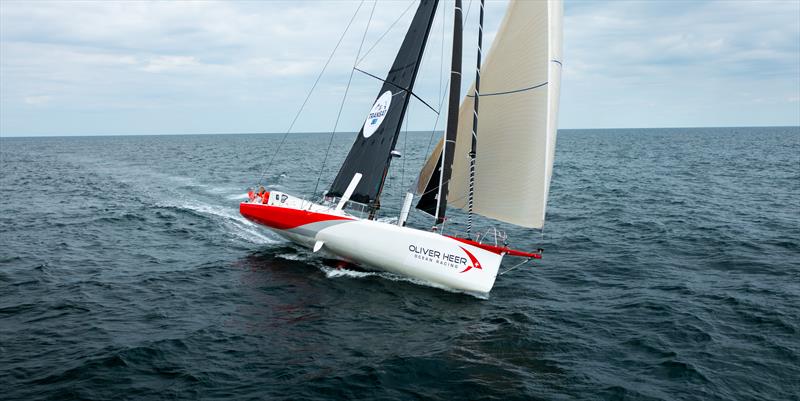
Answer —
671 271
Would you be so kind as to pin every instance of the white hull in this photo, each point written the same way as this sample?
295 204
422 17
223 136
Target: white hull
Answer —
409 252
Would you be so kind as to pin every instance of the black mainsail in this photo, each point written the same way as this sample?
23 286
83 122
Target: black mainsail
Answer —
371 153
434 199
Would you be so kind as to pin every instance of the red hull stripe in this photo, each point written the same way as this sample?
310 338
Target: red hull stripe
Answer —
283 218
498 249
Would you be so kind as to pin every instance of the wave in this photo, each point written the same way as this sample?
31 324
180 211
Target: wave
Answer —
218 190
237 225
178 198
294 256
236 196
388 220
331 272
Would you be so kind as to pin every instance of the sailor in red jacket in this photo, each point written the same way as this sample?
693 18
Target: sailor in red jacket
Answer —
262 196
250 194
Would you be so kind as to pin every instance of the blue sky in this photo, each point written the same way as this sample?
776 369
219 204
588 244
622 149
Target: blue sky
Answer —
85 68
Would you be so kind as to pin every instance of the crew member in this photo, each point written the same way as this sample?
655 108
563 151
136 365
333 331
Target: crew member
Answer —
262 195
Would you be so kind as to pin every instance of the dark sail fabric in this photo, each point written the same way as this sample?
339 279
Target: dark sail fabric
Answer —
371 152
430 200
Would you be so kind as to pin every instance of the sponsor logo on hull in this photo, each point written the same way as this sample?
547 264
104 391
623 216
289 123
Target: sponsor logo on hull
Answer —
447 259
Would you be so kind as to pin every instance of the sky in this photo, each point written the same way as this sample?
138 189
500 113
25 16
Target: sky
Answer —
135 67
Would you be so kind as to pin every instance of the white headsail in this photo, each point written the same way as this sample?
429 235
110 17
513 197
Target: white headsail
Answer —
520 83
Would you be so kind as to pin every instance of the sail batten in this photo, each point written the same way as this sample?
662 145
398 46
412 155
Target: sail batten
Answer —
520 83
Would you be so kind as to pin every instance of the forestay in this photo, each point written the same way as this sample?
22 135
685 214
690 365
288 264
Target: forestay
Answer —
520 83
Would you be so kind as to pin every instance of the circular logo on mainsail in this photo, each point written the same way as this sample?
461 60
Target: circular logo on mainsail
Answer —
376 115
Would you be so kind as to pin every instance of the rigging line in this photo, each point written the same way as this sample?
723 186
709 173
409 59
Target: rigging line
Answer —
398 87
441 79
451 200
441 94
515 266
436 188
263 173
441 57
447 85
466 15
509 92
405 142
436 123
475 104
450 128
387 31
341 106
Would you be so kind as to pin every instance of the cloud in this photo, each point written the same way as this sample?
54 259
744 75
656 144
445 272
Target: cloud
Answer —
36 100
626 63
701 63
170 63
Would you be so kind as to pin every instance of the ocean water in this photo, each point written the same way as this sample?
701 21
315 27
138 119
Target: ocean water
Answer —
671 272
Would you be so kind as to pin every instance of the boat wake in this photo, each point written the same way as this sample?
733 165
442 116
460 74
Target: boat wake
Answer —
241 196
388 220
208 200
332 272
294 257
234 223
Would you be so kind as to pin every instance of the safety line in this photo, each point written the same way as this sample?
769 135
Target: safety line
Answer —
308 96
344 98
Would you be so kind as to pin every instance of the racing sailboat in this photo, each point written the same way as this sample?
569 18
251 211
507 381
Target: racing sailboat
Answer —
495 158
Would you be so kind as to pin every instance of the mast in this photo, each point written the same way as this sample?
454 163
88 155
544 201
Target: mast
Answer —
472 153
446 168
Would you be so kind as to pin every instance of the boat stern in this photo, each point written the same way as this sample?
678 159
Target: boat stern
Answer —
292 217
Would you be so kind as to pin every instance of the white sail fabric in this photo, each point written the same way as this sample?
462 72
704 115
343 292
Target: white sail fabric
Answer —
517 119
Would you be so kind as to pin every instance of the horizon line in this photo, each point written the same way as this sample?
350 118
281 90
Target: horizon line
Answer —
352 132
